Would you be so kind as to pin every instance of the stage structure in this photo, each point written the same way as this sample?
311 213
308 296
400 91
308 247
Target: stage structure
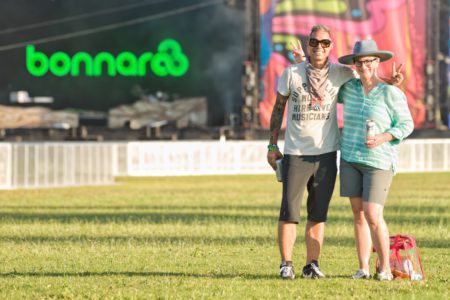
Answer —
93 56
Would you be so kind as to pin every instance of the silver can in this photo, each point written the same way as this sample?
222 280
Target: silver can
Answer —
370 129
279 170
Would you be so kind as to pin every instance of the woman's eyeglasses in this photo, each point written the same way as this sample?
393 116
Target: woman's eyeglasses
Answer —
367 62
324 43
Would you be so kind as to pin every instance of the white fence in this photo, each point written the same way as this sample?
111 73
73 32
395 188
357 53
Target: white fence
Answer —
197 158
249 157
33 165
431 155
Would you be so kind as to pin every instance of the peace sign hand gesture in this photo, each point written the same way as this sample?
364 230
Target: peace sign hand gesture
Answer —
297 51
396 76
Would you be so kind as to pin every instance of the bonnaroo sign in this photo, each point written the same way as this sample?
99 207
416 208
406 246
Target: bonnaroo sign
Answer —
169 60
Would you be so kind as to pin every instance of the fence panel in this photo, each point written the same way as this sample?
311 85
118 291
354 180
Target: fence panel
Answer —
430 155
249 157
5 166
36 165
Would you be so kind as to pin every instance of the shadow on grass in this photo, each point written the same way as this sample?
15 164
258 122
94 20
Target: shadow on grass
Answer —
190 217
139 217
419 209
144 207
157 274
196 240
339 276
139 274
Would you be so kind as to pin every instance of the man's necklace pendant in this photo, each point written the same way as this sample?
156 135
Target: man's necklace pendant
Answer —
315 104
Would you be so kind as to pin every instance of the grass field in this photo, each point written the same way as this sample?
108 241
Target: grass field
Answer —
202 238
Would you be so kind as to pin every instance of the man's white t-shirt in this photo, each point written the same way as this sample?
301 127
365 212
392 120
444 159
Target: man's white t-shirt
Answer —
309 131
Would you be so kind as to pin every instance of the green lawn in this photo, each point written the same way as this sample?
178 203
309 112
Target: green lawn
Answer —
202 238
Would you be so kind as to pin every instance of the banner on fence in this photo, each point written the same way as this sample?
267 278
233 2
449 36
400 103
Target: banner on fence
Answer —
396 25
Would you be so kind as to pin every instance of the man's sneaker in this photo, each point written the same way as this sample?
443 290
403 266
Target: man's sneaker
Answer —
362 274
384 276
312 271
287 271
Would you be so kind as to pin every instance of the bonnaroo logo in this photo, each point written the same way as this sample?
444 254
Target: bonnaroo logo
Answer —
168 61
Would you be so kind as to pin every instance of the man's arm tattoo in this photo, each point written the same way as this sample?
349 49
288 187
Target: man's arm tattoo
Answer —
276 118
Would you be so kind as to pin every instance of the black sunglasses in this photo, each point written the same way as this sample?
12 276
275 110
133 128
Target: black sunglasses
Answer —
367 62
314 43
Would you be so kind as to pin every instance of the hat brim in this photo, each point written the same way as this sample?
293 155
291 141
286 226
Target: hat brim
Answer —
350 59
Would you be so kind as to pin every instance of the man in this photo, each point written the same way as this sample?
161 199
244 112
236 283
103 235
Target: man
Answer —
311 143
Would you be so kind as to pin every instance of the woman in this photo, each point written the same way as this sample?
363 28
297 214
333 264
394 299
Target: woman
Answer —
368 163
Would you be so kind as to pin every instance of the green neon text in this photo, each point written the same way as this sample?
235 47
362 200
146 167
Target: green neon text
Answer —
168 61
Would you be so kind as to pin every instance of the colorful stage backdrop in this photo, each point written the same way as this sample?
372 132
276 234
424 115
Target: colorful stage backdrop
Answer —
396 25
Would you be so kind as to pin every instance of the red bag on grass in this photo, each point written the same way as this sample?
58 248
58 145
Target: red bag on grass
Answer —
404 258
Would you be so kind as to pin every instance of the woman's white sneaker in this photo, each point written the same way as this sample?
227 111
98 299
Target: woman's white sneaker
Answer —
362 274
385 276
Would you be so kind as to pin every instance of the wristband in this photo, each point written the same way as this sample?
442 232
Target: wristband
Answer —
272 147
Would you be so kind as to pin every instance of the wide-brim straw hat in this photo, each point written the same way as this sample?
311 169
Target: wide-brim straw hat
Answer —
365 48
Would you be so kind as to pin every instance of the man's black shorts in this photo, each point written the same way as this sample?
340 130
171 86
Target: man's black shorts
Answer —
315 172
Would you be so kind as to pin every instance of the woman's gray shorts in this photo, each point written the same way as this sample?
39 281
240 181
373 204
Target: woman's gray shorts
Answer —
358 180
315 172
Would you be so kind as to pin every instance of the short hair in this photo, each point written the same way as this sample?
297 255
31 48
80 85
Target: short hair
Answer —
316 28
